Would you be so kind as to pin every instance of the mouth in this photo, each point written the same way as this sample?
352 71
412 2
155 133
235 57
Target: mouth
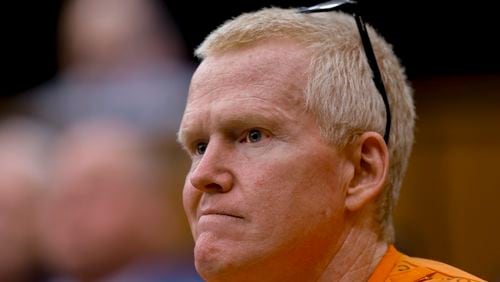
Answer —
220 223
219 213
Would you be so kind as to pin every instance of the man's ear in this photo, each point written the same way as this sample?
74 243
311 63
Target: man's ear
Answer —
370 157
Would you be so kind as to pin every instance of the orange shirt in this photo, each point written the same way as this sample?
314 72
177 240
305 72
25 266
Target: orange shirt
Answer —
395 267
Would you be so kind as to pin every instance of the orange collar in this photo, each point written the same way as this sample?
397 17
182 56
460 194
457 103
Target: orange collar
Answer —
385 265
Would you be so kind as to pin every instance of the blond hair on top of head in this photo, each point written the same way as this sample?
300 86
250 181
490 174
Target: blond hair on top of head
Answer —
340 92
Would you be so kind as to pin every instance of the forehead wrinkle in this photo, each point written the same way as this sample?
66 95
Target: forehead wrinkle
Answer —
256 86
254 112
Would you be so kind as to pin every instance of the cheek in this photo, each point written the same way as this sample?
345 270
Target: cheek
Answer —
299 175
301 185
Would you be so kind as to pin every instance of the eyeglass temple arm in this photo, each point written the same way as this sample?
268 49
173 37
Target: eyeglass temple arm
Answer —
377 77
367 46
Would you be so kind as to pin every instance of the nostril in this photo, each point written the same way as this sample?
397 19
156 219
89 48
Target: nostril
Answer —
214 187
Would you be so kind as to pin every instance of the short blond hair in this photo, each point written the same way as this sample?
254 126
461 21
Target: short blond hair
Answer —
340 92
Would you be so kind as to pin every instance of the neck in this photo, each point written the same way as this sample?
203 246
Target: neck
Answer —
357 258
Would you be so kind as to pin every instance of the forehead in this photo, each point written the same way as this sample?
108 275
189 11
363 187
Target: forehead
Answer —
279 67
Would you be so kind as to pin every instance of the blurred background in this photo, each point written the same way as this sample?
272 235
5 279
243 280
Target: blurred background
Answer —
90 88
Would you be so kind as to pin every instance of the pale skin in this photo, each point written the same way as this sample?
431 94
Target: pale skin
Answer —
267 197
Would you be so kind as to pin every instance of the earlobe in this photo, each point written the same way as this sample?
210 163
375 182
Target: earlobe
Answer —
370 158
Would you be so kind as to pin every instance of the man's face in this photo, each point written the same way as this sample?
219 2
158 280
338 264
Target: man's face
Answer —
265 191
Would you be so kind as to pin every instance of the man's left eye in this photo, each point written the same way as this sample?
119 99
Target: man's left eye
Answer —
253 136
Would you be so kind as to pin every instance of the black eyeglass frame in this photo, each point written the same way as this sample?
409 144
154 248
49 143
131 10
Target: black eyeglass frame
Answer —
352 8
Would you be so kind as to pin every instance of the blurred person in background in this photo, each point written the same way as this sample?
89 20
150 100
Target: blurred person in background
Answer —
111 213
107 216
23 157
117 57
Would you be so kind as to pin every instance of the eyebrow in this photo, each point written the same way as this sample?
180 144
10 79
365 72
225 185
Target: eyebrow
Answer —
267 119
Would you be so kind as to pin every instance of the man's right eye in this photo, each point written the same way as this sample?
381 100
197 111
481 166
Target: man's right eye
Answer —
201 148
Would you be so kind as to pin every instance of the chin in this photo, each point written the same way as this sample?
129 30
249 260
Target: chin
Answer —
216 260
208 256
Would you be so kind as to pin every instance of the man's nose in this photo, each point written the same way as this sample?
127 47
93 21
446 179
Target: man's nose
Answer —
213 173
